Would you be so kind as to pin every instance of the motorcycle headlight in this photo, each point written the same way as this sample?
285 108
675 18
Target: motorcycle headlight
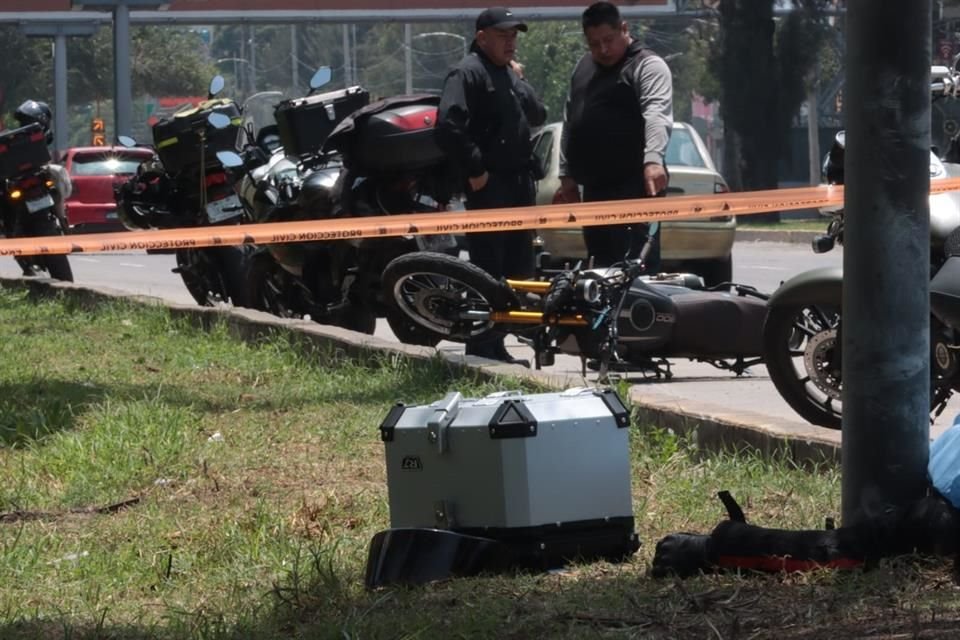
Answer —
587 290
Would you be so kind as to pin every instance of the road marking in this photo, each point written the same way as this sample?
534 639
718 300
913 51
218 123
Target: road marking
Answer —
131 264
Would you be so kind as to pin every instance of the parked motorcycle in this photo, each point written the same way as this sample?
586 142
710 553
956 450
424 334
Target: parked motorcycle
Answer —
342 157
32 190
802 335
613 318
185 185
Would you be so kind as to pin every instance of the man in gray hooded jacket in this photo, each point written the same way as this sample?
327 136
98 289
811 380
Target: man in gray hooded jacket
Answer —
617 124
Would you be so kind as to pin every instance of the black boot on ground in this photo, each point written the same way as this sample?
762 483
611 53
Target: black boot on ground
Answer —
494 350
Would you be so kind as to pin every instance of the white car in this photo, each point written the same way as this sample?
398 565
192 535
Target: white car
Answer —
703 247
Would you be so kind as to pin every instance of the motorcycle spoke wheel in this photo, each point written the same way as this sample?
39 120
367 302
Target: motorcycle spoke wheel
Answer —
443 304
445 295
802 347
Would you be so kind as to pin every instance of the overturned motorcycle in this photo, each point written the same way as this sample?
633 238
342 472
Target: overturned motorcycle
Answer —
613 318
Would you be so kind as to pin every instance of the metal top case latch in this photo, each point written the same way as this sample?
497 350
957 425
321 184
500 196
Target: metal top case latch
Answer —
444 413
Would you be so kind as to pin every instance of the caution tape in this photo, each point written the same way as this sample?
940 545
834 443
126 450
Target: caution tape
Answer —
556 216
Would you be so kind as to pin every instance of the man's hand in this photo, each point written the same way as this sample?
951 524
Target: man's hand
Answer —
479 182
517 68
568 192
654 178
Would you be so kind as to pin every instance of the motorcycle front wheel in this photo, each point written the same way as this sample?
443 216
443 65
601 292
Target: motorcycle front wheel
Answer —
446 296
214 275
801 346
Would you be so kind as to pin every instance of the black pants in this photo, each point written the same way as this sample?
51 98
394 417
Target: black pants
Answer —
502 254
609 244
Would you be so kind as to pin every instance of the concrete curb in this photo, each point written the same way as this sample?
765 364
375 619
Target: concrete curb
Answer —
756 235
711 427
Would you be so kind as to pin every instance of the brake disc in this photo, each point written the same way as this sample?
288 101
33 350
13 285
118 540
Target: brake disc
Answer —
819 360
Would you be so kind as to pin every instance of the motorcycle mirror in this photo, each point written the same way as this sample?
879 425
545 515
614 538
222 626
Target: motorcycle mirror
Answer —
216 86
823 244
126 141
320 78
218 120
229 159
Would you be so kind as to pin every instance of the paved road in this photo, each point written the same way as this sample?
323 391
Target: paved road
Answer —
695 386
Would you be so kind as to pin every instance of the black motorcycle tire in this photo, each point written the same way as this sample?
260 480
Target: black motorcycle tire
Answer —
779 331
260 281
214 275
408 331
57 266
458 277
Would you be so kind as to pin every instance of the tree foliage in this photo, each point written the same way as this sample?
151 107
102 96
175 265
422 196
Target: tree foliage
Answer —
763 66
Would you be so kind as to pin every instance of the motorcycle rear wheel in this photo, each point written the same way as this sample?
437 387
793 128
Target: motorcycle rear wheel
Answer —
440 293
56 266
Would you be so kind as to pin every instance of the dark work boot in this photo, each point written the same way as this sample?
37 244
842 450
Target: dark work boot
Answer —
493 349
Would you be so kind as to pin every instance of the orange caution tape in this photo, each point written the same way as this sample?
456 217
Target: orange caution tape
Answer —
515 218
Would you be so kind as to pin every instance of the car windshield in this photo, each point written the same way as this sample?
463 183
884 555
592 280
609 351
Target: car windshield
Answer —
682 151
101 164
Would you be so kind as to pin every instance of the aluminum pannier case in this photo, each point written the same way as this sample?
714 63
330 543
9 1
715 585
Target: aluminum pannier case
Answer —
545 476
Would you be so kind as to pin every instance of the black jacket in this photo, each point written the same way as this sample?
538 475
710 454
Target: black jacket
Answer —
485 116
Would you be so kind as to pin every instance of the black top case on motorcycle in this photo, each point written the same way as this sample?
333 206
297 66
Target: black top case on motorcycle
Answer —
22 151
305 123
177 138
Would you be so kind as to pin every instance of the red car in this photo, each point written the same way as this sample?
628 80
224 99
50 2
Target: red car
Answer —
94 171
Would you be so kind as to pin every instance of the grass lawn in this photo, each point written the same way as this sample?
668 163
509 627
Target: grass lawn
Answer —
165 482
800 224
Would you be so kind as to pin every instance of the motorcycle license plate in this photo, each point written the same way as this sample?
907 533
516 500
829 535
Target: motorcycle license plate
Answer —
40 203
224 209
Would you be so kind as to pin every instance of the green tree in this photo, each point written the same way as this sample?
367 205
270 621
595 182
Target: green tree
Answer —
27 70
763 66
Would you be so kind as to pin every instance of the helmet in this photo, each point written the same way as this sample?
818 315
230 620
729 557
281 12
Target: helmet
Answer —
33 111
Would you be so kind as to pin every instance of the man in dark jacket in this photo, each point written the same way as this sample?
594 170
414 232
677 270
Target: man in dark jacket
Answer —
617 124
484 120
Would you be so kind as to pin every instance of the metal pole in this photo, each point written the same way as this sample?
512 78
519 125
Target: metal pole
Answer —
348 77
294 62
885 332
813 130
60 133
408 58
355 68
123 91
253 59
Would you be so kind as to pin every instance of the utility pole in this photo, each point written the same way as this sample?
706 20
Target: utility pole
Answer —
886 310
294 61
408 57
122 85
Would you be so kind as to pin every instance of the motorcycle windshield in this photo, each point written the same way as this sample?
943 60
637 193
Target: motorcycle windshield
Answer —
258 116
